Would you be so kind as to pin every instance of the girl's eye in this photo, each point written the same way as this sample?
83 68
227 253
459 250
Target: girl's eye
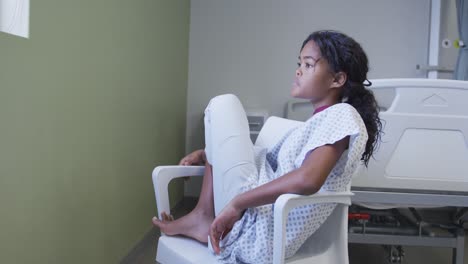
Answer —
307 65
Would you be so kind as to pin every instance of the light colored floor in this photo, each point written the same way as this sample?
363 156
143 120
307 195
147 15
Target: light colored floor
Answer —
358 254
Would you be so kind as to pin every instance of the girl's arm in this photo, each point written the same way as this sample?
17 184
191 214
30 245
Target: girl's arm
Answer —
306 180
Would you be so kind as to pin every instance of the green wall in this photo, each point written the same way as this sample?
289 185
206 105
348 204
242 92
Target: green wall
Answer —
89 105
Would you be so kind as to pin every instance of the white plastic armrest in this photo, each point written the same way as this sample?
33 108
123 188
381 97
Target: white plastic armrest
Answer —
286 202
162 175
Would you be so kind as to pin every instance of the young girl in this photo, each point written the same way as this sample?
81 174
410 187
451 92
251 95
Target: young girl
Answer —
241 182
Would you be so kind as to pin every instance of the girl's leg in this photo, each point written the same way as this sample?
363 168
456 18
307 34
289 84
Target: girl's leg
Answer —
230 150
196 224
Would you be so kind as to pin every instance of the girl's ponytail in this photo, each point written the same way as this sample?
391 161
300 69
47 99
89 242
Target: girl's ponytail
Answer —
364 101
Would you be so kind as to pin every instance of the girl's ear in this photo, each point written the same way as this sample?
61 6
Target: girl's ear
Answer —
339 80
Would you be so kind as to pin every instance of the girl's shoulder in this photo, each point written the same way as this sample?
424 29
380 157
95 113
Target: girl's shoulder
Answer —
342 107
337 111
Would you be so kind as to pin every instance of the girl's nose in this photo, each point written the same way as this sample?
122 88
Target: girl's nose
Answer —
298 72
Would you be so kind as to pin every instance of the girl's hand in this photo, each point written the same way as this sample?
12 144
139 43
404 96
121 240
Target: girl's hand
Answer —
194 158
223 224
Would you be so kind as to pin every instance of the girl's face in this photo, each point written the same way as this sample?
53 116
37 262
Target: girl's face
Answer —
314 79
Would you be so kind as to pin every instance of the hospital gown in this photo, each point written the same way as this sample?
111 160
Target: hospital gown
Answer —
251 239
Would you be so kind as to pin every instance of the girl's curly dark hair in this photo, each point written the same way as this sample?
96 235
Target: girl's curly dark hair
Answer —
344 54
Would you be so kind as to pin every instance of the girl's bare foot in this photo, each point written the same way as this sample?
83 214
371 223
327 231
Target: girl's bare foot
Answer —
195 225
166 217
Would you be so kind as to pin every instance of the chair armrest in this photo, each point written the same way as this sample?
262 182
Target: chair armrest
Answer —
286 202
162 175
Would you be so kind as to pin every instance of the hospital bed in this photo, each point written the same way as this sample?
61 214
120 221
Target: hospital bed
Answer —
422 162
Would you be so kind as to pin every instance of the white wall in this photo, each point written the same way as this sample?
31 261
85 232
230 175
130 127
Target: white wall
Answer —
250 47
448 30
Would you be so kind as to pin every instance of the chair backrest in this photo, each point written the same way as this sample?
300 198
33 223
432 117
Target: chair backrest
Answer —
425 140
273 130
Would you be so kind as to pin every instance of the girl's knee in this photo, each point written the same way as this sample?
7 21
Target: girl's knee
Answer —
223 100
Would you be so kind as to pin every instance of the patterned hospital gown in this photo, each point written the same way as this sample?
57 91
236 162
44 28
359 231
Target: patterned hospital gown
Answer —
251 239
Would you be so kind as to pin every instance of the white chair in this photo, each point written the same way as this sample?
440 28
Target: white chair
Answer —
329 244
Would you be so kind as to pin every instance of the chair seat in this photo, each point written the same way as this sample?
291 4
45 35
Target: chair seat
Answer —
183 250
193 252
